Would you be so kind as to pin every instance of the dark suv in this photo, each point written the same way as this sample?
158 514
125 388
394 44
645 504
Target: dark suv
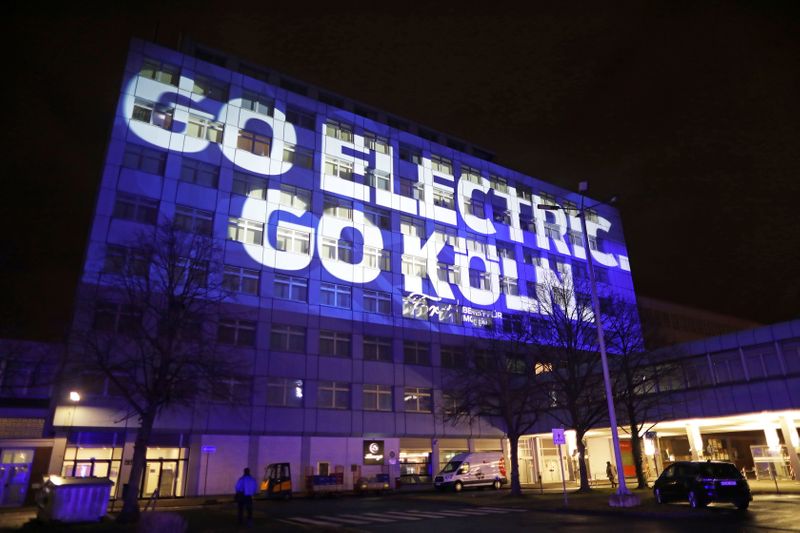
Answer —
702 482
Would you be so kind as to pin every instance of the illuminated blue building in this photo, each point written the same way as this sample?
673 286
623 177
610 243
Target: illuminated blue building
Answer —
364 251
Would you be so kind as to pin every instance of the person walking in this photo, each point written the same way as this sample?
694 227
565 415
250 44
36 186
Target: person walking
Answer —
245 488
610 474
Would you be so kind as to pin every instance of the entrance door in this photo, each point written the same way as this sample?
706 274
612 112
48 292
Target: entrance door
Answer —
15 479
161 475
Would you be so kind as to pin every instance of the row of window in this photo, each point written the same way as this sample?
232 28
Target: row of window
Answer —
287 392
145 210
200 127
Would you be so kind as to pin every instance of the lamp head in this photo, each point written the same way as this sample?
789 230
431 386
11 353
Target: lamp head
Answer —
74 396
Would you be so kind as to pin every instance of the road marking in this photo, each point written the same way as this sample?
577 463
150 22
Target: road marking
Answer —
339 518
374 517
502 510
400 515
312 522
425 514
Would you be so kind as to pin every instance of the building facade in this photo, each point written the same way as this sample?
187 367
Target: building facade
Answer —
365 253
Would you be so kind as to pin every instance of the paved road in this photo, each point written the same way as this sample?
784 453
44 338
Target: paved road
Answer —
767 513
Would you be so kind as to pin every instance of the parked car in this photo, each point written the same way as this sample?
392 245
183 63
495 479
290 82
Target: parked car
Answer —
702 482
477 469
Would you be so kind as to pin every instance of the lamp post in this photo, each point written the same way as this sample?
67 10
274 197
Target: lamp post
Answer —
623 497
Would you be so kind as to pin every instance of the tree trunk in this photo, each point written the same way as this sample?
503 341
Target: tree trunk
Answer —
636 448
130 501
516 488
582 462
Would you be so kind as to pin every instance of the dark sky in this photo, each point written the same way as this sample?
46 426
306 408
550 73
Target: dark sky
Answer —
689 111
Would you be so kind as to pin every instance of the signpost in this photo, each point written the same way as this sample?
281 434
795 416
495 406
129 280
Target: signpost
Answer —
560 438
208 450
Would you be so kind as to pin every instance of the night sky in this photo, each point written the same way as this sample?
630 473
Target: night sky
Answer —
688 111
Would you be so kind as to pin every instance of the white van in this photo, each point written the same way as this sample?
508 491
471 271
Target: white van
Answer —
477 469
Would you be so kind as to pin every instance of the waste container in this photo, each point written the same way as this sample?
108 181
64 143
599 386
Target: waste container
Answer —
74 499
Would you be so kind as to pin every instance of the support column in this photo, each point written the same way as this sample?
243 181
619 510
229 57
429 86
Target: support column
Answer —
695 441
435 458
792 442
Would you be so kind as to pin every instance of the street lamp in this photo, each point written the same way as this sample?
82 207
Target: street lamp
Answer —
623 497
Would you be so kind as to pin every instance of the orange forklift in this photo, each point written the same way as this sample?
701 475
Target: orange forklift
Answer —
277 482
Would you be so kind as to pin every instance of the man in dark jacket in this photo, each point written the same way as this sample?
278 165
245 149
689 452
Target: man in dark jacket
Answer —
246 487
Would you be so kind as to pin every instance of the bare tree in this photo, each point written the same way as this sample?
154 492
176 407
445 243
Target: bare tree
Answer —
497 382
636 377
566 340
149 326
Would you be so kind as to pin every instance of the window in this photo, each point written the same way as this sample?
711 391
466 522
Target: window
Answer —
203 128
378 179
124 260
417 400
333 395
412 227
497 183
452 357
475 207
300 118
295 197
416 353
253 143
377 302
335 295
211 88
727 366
500 213
193 171
337 249
249 185
284 392
338 207
192 272
334 343
257 103
443 198
287 338
378 258
509 286
470 174
290 288
240 279
506 251
245 231
579 271
524 192
237 332
159 71
450 404
526 218
376 143
591 216
377 397
136 208
339 130
441 164
379 217
449 273
552 231
479 279
377 348
194 220
112 317
298 156
410 154
531 257
576 239
339 168
600 274
145 159
411 189
152 113
294 241
445 234
414 266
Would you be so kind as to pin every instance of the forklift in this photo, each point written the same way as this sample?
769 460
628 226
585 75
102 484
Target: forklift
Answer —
277 482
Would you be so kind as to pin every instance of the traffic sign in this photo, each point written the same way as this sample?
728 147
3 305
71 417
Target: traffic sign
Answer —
558 436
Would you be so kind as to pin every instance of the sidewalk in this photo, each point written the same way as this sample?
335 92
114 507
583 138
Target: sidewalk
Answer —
756 486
